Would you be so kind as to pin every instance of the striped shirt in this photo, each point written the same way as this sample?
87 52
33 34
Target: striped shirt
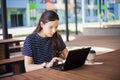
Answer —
39 48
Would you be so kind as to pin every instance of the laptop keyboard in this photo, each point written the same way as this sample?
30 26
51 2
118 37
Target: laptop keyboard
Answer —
58 66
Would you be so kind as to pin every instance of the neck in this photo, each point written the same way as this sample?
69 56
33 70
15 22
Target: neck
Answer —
41 34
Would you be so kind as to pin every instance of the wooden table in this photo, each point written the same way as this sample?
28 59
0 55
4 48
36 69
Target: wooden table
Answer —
109 70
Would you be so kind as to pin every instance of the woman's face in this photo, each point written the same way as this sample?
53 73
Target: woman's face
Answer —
50 28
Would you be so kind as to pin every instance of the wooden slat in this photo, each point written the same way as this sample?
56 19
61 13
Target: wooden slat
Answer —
14 47
11 60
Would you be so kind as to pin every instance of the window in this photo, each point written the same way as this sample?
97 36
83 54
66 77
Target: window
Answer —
95 2
53 1
102 2
88 12
95 12
79 11
32 1
87 2
78 1
42 1
32 13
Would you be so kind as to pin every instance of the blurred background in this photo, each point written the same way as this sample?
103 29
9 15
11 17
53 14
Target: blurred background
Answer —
84 16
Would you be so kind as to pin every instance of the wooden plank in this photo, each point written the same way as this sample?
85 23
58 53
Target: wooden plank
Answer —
17 46
11 40
11 60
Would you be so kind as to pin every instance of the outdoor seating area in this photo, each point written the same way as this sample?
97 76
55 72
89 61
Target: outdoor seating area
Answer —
38 35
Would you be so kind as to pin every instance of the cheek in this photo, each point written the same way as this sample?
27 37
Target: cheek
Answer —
46 30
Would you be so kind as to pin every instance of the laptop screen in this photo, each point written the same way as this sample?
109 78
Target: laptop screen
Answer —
76 58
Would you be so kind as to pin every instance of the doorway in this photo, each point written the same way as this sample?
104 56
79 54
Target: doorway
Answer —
16 20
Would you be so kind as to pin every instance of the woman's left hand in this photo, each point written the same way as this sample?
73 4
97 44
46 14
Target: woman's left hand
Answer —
54 60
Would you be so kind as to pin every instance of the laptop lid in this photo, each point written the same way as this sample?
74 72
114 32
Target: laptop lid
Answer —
76 58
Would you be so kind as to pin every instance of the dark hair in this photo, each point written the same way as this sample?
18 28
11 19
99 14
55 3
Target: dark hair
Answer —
47 16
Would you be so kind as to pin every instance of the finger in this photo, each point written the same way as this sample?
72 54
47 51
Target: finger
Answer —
54 60
59 59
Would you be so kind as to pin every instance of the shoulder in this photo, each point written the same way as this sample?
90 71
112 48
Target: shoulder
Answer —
31 37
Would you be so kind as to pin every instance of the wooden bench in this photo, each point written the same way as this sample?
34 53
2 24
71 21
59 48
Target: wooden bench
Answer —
15 48
16 63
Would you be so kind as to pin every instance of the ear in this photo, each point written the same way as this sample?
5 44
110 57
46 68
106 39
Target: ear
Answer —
42 24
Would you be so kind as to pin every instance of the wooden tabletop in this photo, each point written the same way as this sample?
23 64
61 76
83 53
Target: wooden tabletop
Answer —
109 70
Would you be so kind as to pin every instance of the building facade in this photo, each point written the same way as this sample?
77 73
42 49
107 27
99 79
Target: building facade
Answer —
27 12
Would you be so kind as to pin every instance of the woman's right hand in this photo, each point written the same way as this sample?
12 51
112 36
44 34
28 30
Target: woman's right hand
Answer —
53 61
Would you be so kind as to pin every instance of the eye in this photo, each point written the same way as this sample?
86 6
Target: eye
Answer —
51 27
56 27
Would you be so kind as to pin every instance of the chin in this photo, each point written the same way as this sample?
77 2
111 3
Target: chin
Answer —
50 35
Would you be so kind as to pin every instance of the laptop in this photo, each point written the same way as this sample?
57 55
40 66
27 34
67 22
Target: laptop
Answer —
76 58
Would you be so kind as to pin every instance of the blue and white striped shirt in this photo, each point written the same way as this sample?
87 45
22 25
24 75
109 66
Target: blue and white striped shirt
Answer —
39 48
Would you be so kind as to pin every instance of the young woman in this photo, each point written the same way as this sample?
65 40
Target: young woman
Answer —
44 46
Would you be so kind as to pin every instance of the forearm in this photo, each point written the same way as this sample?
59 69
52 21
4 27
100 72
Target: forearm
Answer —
31 67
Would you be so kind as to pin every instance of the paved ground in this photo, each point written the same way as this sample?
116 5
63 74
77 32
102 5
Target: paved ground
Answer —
100 44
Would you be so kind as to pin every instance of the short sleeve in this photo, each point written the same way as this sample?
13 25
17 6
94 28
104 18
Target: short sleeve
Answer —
63 46
27 48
